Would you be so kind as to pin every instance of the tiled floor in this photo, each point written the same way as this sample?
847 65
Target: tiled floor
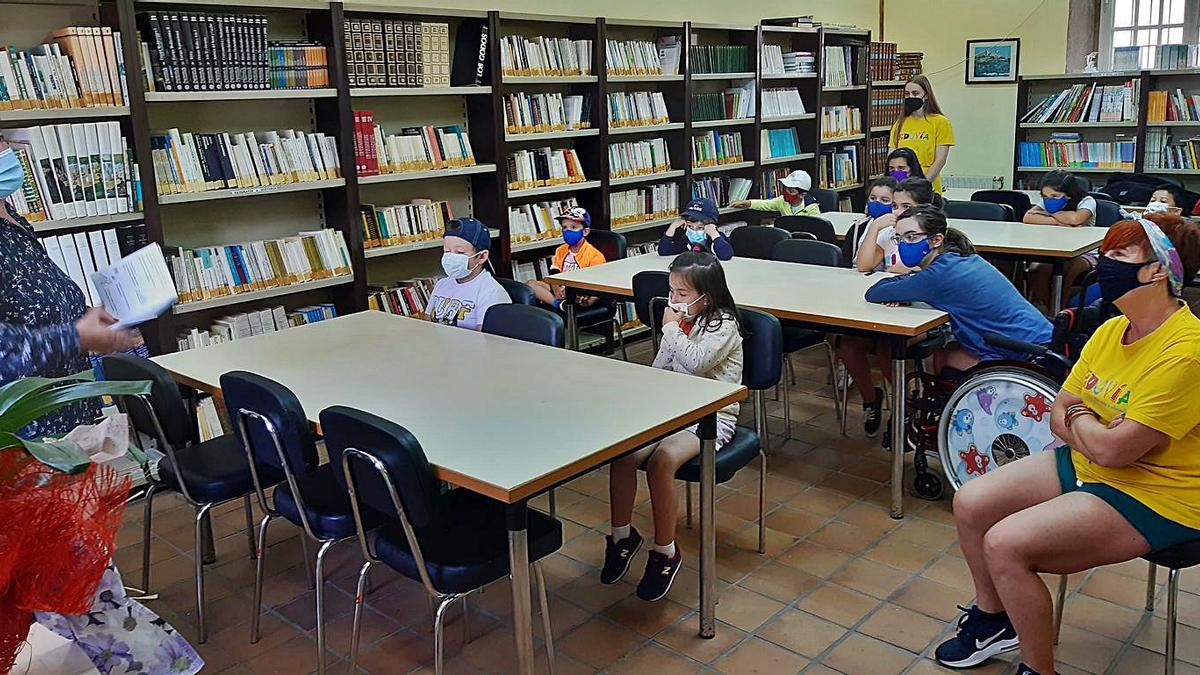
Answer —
842 587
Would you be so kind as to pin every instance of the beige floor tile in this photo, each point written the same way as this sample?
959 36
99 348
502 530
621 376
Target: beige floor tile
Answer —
902 627
814 559
683 637
780 582
821 501
951 571
652 658
759 656
802 633
1116 588
902 556
745 609
645 618
838 604
599 642
931 667
1100 616
843 537
1138 660
860 654
932 598
1153 636
1085 650
872 578
795 522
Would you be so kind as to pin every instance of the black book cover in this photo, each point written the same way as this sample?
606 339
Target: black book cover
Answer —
141 236
188 51
126 239
171 31
211 64
203 141
262 55
226 162
151 32
470 66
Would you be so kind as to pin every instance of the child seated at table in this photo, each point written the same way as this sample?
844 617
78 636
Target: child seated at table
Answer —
793 199
902 164
463 296
700 336
1166 198
1066 203
696 230
574 253
876 246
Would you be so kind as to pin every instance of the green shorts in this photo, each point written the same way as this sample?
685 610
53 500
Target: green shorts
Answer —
1158 531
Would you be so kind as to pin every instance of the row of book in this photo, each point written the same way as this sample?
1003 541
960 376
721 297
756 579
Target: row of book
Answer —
74 171
533 113
734 103
1163 151
539 167
638 205
208 419
1089 102
1160 57
1067 150
298 64
769 179
877 156
909 65
413 149
634 57
545 56
193 51
245 325
535 221
404 298
838 168
715 148
721 189
187 162
637 109
1173 106
881 62
80 67
839 66
886 106
775 61
530 270
780 143
397 53
838 121
79 254
418 220
638 158
219 271
782 102
719 58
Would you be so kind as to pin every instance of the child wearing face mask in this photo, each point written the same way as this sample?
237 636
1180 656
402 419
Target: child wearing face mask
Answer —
574 253
793 199
696 230
1065 203
700 337
923 128
877 250
903 164
463 297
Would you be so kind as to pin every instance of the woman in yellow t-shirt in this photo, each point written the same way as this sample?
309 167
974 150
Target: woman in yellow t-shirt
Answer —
923 128
1128 480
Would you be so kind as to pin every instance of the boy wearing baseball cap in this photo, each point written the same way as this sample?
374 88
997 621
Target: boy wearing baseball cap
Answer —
574 253
463 297
793 199
696 230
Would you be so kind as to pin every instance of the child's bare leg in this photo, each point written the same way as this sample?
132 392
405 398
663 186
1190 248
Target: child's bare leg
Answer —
541 291
672 453
1039 284
622 486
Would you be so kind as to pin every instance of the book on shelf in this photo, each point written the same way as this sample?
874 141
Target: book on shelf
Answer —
720 58
219 271
838 167
529 270
775 61
886 106
638 158
1173 106
1165 151
908 65
670 48
397 52
715 148
769 180
404 298
194 51
1127 58
881 61
1087 102
187 162
298 64
839 66
634 57
535 221
425 148
637 109
208 419
469 68
242 325
805 21
418 220
782 102
534 113
1177 56
734 103
838 121
649 202
79 254
721 189
877 156
545 56
79 67
779 142
73 171
1067 150
540 167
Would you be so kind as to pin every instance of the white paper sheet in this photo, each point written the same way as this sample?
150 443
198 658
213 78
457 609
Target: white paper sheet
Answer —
137 288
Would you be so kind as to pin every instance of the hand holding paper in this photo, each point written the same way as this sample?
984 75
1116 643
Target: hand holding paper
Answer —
136 288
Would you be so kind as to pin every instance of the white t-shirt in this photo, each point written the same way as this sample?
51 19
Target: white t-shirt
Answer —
569 264
1088 202
891 255
464 305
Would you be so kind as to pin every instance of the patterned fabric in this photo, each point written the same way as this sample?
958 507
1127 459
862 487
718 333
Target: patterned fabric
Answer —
1165 251
39 306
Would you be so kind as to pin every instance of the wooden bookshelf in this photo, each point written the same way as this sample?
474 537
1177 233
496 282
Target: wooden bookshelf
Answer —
265 294
235 193
856 95
425 175
259 94
86 222
550 135
58 115
383 92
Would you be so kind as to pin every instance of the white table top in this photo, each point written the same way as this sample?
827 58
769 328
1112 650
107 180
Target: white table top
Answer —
501 417
990 236
964 194
830 296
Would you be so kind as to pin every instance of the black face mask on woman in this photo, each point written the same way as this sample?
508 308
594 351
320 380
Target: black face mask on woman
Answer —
1117 277
912 104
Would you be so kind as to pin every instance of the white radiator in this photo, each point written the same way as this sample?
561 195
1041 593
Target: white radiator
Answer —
973 182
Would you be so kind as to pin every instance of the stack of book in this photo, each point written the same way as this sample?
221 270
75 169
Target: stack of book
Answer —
780 142
633 57
545 56
1168 106
540 167
413 149
418 220
770 181
298 64
397 53
721 190
877 156
1089 102
839 121
882 61
719 58
190 51
533 113
535 222
734 103
1163 151
81 253
405 298
254 322
74 171
1067 150
638 158
715 148
839 167
195 162
220 271
775 61
208 420
886 106
784 102
908 65
637 109
81 67
1178 56
839 65
644 203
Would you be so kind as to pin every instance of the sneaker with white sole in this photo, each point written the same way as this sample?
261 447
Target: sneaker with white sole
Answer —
618 555
980 636
660 572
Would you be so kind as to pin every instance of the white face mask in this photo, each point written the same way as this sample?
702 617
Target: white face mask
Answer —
684 307
1157 207
457 265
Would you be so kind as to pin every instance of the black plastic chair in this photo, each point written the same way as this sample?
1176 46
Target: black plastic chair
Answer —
614 247
453 542
827 199
648 287
974 210
808 236
807 252
1107 213
522 322
820 228
206 473
756 241
518 292
1015 199
1098 195
850 244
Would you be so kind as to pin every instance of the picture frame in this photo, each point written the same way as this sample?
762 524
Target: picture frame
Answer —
993 61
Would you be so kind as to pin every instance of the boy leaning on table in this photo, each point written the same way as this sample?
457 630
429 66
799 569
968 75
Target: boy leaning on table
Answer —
463 296
793 199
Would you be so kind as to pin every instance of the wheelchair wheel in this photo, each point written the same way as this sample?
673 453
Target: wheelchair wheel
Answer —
996 416
928 486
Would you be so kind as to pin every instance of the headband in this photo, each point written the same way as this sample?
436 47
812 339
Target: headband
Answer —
1165 251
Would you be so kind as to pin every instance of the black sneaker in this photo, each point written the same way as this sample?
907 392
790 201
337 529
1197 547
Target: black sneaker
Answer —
618 555
980 636
872 414
1023 669
660 572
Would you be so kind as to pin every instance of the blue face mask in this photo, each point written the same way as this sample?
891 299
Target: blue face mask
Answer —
697 237
572 237
876 209
1053 205
12 176
912 253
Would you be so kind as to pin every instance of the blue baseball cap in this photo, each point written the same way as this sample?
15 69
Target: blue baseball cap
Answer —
699 210
475 232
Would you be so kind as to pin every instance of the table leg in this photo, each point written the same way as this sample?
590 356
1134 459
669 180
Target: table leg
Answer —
572 322
898 427
518 560
708 526
1056 288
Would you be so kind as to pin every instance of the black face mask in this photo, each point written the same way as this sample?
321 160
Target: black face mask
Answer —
1117 278
912 104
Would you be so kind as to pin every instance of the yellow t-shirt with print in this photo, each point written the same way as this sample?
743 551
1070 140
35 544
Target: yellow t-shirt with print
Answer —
1152 382
923 135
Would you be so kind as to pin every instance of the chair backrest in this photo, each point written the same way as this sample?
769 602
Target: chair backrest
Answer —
807 252
1107 213
517 291
849 244
611 244
978 210
804 235
263 412
820 228
164 400
828 199
647 286
1096 194
762 349
523 322
756 241
1015 199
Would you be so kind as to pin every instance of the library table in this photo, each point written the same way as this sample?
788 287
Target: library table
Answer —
824 298
485 412
1039 243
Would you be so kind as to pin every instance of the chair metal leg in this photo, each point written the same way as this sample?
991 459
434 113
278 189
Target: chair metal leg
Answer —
620 321
845 394
787 411
356 628
210 548
146 538
439 629
553 505
466 618
545 606
838 406
762 500
1058 606
1172 618
249 525
320 571
791 369
201 518
259 570
308 561
687 491
1151 578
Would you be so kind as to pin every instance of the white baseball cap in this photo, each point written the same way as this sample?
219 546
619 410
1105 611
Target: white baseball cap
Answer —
797 180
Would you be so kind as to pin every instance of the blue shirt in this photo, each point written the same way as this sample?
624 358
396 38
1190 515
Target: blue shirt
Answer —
979 299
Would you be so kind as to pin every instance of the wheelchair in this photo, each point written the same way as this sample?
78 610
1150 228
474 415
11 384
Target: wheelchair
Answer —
995 413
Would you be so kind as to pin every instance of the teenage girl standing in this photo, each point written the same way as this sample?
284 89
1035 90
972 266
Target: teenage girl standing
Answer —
924 128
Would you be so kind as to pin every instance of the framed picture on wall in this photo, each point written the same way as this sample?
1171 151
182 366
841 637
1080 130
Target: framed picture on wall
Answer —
993 61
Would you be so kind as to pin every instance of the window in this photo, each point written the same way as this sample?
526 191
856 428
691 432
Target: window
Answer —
1147 24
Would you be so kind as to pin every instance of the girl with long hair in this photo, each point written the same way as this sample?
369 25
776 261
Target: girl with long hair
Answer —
923 128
